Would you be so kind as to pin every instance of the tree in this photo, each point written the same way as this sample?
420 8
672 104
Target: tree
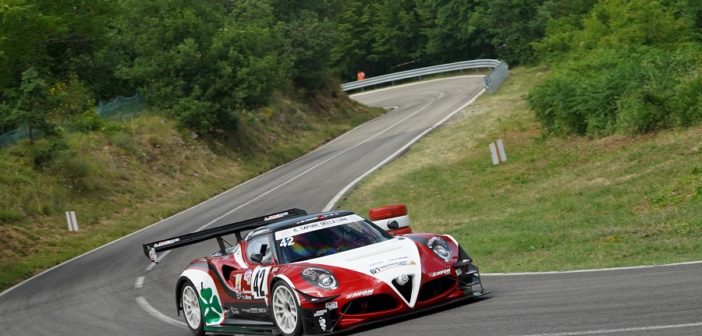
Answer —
32 106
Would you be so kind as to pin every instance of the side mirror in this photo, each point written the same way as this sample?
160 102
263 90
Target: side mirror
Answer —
256 257
391 218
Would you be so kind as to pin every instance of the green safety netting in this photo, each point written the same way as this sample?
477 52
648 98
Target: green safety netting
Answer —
120 107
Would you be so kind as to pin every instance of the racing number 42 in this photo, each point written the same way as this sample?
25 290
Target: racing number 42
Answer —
258 285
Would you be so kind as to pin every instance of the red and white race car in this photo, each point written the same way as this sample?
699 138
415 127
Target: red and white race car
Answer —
295 273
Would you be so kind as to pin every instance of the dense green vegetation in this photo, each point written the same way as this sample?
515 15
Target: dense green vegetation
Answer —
624 66
630 66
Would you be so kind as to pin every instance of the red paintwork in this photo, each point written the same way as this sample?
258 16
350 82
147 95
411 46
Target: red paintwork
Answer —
388 211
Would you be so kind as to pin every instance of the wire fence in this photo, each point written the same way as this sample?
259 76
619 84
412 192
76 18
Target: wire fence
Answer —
120 107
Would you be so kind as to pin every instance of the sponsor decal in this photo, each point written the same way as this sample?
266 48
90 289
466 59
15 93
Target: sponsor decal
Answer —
331 305
438 273
391 265
255 310
323 324
320 313
276 216
237 282
247 277
305 228
167 242
233 311
209 303
354 295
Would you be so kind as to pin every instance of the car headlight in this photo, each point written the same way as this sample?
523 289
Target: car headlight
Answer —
440 247
319 277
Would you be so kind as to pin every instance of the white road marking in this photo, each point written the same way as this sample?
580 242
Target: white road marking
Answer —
622 330
139 282
397 153
141 301
594 269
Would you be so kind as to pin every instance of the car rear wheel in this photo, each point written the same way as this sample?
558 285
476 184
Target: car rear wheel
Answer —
190 301
287 314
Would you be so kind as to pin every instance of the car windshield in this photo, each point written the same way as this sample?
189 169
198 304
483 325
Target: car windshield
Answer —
317 239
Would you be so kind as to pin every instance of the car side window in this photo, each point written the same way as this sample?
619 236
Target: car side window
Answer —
261 244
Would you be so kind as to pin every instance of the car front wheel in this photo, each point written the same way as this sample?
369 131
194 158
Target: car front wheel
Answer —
287 314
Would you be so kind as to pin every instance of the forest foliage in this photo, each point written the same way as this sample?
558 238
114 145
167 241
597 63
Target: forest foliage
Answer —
623 67
630 66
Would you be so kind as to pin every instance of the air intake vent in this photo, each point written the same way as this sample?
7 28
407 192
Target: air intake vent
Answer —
406 289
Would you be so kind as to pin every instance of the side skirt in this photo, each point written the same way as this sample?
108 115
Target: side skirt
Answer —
237 326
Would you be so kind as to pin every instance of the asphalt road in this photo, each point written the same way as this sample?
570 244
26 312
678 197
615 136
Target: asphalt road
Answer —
116 291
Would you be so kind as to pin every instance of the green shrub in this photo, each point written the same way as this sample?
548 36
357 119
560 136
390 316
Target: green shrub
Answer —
629 90
77 171
89 121
9 215
44 151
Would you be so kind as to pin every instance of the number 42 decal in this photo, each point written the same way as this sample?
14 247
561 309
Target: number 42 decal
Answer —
287 241
259 282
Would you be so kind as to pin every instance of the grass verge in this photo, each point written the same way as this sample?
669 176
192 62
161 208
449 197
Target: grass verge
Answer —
557 203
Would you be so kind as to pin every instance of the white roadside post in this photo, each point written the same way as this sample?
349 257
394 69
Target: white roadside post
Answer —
72 221
497 151
501 150
493 153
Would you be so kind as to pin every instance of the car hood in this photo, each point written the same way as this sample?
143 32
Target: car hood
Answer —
384 261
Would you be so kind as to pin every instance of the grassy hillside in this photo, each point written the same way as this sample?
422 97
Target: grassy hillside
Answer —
557 203
135 172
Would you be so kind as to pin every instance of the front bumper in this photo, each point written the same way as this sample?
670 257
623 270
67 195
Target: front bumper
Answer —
462 284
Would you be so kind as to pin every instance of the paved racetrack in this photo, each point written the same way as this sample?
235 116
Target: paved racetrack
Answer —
116 291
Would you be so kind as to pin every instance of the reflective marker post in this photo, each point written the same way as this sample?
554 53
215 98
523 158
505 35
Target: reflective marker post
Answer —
497 151
493 153
501 150
72 221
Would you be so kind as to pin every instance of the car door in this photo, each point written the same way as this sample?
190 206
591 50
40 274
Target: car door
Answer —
252 283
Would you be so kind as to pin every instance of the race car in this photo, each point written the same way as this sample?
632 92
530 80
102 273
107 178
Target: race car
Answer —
294 273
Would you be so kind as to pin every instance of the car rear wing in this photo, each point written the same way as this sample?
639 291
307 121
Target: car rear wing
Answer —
151 249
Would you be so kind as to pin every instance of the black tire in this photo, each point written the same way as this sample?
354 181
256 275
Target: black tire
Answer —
191 306
285 310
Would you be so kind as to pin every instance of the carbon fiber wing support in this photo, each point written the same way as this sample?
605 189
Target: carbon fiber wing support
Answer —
151 249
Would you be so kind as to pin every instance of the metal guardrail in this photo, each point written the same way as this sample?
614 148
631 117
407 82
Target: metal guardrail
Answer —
499 72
